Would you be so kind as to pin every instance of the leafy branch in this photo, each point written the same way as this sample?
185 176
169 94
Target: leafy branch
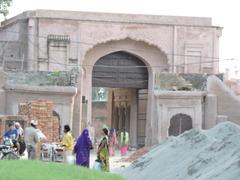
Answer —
4 4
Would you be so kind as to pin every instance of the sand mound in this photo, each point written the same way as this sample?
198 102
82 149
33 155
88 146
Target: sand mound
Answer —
195 155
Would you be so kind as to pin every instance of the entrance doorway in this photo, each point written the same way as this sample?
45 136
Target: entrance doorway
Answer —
125 77
179 123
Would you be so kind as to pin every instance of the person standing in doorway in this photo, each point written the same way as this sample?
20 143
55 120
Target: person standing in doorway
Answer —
82 149
103 151
112 141
124 138
67 142
31 139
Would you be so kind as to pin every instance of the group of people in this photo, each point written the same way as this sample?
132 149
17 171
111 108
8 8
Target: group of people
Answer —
121 139
30 136
23 139
84 144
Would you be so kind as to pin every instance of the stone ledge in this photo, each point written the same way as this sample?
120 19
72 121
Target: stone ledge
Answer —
179 94
112 17
39 89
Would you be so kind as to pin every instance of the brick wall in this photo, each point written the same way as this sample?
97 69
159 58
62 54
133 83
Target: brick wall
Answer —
42 111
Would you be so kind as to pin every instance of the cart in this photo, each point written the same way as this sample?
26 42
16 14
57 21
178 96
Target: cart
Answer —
51 152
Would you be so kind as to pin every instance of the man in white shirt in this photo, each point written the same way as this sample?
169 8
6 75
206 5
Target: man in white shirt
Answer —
19 129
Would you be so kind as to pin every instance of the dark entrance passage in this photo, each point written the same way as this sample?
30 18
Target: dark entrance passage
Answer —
121 108
179 123
126 77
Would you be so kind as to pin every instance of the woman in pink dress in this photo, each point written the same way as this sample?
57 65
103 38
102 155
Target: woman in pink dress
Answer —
124 138
112 142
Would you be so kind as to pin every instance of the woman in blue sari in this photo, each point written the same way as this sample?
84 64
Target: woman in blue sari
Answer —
82 149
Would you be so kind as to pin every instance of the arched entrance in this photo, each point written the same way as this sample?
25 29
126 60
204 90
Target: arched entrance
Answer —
120 70
126 78
149 54
179 123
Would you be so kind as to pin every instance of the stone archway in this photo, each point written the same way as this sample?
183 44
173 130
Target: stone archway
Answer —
179 123
127 75
151 55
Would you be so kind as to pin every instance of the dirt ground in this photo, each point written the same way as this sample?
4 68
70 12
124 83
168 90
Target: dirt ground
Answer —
116 162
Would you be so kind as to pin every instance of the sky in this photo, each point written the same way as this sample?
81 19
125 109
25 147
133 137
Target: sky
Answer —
224 13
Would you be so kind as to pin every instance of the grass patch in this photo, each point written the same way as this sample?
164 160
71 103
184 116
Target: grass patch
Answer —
37 170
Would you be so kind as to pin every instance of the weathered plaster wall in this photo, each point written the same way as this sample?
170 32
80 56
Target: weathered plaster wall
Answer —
170 103
2 92
62 97
175 36
2 101
174 40
14 45
210 111
161 42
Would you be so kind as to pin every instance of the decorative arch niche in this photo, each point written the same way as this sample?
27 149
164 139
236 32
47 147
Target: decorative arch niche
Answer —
179 123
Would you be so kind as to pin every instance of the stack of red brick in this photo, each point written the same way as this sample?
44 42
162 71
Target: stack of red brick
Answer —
42 111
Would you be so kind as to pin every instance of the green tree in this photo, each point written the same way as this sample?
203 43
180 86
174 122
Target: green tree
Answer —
4 4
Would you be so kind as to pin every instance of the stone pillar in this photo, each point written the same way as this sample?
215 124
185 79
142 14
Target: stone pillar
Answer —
109 108
210 111
84 121
174 50
87 92
150 109
133 119
77 107
165 121
2 101
2 92
198 122
156 121
32 44
76 125
158 114
215 49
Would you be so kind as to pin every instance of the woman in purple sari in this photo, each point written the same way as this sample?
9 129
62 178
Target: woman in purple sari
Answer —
82 149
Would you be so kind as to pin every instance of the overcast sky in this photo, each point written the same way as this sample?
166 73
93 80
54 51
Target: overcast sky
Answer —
224 13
